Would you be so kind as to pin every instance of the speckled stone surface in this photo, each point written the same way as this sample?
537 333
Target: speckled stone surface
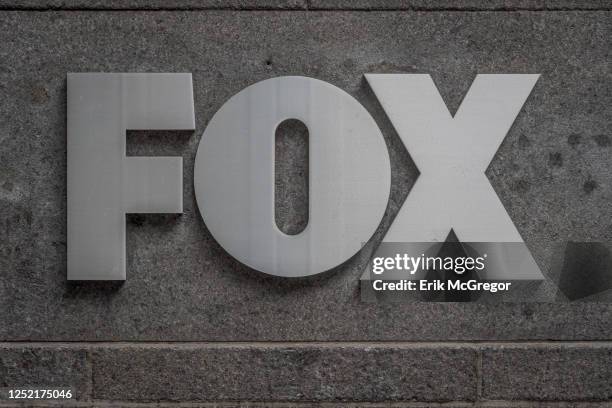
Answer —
152 4
552 172
557 373
462 5
429 5
286 373
42 368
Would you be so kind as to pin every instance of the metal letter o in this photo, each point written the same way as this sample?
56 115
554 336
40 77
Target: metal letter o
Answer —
349 181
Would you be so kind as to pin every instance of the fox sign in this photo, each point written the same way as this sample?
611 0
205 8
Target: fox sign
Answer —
349 179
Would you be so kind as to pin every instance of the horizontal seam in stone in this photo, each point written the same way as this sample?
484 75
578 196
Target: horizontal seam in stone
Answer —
321 344
327 9
319 403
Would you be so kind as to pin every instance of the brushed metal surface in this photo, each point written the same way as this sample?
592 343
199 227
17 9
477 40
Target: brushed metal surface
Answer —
349 180
452 153
103 183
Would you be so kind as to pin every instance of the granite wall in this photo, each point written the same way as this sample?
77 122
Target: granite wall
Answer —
191 326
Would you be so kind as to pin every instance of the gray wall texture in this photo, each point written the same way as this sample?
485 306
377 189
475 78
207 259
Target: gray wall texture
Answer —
193 327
